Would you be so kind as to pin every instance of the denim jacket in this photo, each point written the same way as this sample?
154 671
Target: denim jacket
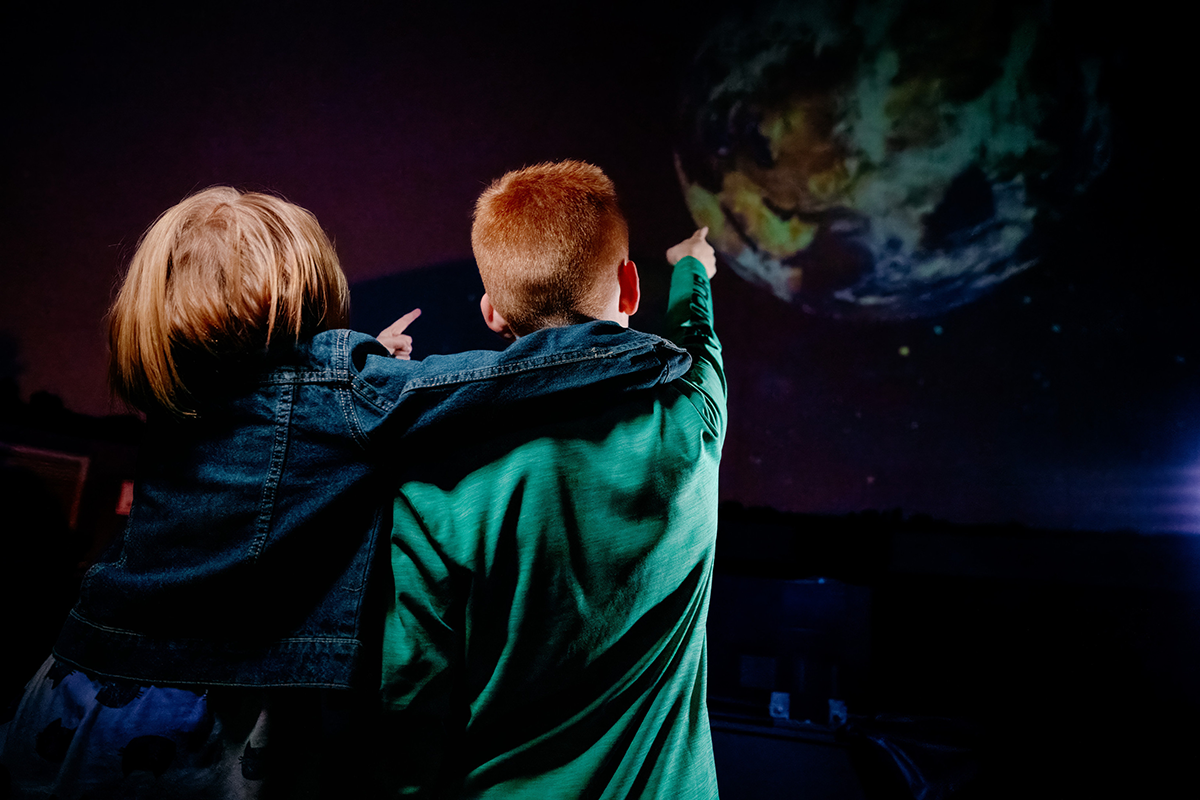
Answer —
253 549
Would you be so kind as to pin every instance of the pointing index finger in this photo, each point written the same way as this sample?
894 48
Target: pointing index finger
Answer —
399 325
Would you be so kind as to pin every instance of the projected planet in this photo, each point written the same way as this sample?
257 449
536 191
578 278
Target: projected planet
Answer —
887 160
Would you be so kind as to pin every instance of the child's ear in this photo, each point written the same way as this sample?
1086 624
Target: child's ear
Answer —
631 288
494 319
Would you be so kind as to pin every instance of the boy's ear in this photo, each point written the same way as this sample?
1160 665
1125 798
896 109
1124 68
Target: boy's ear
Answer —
494 319
631 288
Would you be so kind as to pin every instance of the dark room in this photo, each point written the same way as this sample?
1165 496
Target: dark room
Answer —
957 518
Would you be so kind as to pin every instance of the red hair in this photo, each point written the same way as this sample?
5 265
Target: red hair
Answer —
548 240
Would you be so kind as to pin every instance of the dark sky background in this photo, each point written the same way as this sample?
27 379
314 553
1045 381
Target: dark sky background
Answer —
1069 397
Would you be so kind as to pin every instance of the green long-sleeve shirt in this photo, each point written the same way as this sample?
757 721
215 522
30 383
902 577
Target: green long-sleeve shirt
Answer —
552 579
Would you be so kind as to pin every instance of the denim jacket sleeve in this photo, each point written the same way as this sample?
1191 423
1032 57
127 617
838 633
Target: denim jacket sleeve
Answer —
396 397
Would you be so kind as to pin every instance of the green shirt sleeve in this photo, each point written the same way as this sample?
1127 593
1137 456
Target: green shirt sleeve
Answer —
690 325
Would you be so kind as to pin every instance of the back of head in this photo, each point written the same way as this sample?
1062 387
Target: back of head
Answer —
221 277
548 240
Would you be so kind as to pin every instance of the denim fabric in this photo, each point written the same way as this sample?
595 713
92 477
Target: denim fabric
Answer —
255 541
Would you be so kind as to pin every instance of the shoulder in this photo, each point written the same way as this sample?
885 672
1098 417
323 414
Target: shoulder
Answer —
326 341
338 348
600 340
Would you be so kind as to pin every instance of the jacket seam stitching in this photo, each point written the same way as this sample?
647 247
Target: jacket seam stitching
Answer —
266 509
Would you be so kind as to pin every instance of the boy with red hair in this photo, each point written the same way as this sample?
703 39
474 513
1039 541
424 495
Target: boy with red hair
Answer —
553 567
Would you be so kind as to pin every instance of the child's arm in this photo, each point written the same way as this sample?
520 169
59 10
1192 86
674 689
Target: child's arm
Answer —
690 325
398 397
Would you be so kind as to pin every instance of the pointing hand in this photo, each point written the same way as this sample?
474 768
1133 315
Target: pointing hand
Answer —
698 248
398 343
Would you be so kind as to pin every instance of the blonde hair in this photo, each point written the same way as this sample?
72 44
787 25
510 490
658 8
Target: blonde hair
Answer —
222 275
548 239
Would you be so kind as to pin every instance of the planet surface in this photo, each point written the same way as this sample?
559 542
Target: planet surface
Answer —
892 159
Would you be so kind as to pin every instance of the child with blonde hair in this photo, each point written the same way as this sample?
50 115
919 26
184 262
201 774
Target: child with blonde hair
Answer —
213 649
547 637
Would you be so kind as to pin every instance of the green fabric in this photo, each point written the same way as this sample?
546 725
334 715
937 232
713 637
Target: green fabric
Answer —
552 578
